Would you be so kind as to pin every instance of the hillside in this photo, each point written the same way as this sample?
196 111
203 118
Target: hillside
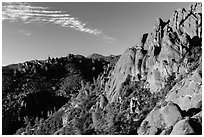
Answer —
35 88
153 88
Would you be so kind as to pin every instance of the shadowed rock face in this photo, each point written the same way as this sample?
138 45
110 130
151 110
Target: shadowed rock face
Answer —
169 52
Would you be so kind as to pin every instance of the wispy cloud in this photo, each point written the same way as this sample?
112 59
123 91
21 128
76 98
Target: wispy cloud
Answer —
24 32
108 40
27 13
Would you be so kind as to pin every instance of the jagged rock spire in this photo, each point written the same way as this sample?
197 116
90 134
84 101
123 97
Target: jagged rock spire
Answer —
160 54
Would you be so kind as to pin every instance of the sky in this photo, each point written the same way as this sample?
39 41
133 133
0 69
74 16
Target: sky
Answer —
37 30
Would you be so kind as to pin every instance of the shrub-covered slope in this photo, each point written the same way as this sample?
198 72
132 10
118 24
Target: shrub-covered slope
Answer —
35 89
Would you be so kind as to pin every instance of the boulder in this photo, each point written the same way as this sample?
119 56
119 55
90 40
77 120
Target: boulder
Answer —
171 114
183 127
188 92
160 118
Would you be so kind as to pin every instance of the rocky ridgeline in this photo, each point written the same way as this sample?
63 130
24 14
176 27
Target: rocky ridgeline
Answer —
172 52
161 54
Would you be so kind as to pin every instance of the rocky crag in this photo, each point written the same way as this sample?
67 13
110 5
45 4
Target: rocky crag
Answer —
155 88
172 52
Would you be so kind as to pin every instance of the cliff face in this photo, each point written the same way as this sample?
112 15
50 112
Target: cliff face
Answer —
172 50
172 53
129 68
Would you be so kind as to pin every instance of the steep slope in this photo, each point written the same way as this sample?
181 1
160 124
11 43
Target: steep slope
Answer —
36 88
128 68
170 51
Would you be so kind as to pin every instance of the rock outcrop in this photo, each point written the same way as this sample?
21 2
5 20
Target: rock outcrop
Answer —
170 55
186 91
130 67
164 54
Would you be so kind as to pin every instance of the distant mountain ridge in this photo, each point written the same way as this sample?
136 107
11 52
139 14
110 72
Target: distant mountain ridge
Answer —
55 78
96 56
